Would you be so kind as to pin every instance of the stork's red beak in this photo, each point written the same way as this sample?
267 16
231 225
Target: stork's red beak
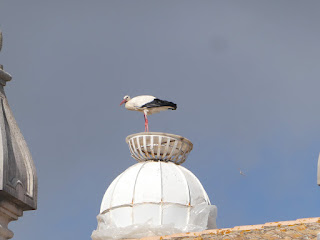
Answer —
123 101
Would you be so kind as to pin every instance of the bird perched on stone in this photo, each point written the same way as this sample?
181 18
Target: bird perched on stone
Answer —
148 105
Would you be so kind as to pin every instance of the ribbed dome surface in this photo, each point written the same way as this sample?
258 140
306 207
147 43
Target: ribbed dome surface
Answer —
162 192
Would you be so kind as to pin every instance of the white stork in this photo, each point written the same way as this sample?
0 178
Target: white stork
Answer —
148 105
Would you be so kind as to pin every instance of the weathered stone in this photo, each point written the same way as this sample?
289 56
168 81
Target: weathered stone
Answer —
18 179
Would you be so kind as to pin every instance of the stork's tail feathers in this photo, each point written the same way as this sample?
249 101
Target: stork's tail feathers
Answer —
161 103
171 105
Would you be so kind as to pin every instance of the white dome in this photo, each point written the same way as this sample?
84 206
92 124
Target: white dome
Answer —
162 192
156 196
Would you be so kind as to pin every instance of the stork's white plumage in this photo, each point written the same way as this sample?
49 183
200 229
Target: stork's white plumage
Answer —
148 105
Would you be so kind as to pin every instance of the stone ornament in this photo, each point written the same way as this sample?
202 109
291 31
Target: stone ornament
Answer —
18 179
159 146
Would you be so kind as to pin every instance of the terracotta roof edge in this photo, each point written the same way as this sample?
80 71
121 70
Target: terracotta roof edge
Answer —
237 228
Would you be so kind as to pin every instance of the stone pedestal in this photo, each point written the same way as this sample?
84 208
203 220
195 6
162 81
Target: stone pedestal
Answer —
18 179
8 212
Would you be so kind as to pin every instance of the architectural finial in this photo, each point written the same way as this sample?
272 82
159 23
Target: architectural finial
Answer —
4 77
157 146
18 179
156 196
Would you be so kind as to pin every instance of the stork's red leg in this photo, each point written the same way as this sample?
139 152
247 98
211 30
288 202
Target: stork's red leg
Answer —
146 126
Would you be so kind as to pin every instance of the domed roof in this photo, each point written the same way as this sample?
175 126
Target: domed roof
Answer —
153 190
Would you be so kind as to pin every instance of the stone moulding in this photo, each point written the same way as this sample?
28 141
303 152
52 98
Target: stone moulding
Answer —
9 212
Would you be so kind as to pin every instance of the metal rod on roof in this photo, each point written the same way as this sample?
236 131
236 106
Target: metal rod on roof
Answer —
318 178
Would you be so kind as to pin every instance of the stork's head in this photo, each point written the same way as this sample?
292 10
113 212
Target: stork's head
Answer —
125 99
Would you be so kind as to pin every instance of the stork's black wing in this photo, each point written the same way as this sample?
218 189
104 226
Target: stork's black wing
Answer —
160 103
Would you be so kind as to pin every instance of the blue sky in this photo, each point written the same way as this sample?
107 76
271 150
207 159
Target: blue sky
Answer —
244 74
